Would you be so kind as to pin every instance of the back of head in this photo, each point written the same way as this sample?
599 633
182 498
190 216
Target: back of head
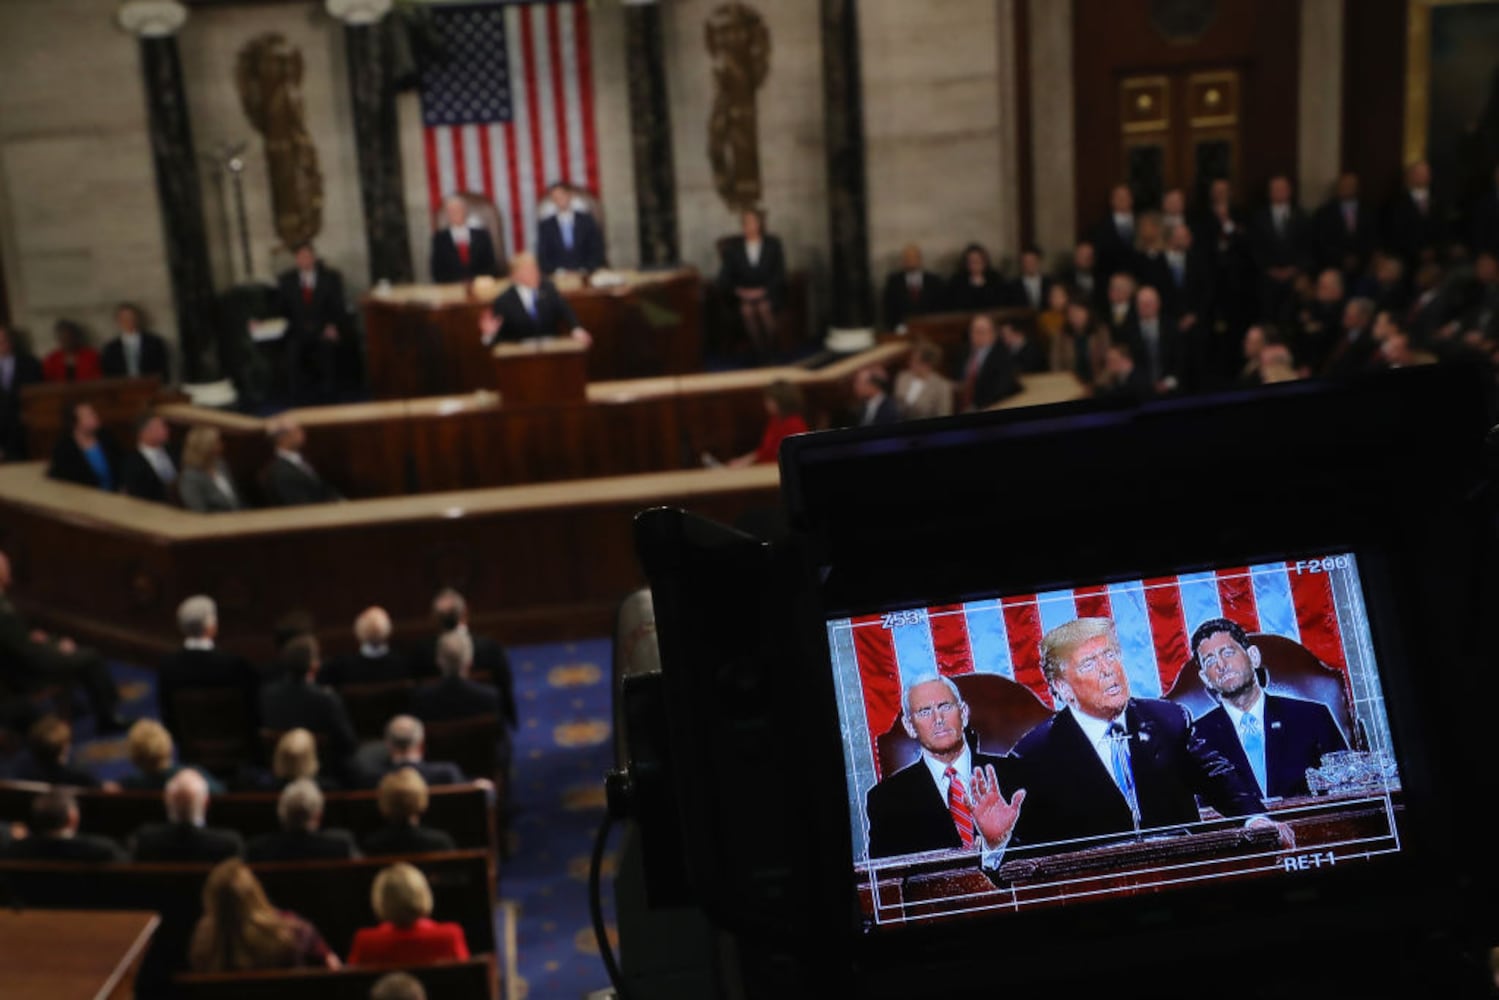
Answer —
372 627
299 657
295 756
403 795
398 986
300 807
49 739
52 812
200 448
401 895
291 625
186 797
239 928
404 734
149 746
449 609
455 654
196 616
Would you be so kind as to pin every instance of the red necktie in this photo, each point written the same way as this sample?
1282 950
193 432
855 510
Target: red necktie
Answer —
463 252
306 294
957 806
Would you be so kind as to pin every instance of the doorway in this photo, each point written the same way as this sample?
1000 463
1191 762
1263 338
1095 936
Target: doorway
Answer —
1179 129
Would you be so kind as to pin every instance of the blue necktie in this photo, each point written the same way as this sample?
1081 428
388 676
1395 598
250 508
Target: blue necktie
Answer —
1254 747
567 232
1177 271
1124 775
531 305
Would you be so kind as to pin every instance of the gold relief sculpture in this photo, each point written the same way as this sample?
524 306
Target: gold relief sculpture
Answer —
739 46
269 76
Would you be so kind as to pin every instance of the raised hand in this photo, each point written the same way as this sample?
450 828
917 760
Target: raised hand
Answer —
995 817
489 325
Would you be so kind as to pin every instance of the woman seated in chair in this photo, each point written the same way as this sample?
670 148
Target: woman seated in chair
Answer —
151 750
240 930
407 934
753 271
294 758
205 485
783 418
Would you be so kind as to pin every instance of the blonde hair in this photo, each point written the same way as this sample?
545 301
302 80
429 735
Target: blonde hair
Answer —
1062 640
401 895
201 448
295 756
150 746
403 794
239 928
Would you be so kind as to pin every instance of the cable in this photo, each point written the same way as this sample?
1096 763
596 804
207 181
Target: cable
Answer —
596 909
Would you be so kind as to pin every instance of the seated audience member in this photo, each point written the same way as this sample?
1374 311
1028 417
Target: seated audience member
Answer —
455 696
783 418
289 479
311 298
1049 321
1114 236
403 798
976 285
297 702
1385 284
31 659
1083 276
295 759
1031 287
872 403
49 746
133 351
84 453
490 661
184 836
406 746
1432 306
570 238
54 836
398 986
987 374
1149 263
911 290
205 485
240 931
1123 378
921 391
374 662
1080 347
151 752
1025 354
461 251
1256 338
1356 349
407 934
72 360
300 838
752 272
529 309
198 665
1276 365
18 369
1318 320
1155 340
147 471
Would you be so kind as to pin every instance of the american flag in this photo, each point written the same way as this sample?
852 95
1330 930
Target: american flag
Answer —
1154 620
511 109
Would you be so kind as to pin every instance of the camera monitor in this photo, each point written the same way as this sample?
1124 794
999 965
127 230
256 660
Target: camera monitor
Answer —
1043 750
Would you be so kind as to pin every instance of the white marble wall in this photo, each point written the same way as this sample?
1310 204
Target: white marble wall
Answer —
1320 113
79 227
1053 145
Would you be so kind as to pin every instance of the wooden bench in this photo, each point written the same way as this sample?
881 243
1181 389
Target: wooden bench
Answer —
471 980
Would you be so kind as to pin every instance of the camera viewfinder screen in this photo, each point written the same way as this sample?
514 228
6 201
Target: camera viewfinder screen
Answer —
1038 750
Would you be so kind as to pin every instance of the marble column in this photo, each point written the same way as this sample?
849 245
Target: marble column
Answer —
852 305
1320 115
377 137
155 24
650 135
1053 148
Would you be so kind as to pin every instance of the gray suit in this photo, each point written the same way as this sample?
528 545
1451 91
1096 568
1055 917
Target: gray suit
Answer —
934 398
200 492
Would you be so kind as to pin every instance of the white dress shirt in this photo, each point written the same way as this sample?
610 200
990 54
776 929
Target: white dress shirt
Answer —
131 342
200 642
1097 732
161 462
752 251
460 234
1032 283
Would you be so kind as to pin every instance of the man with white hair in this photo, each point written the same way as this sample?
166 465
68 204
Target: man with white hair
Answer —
455 696
487 659
406 746
374 662
199 665
185 835
461 251
301 838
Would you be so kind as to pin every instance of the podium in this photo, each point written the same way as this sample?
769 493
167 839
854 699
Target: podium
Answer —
545 370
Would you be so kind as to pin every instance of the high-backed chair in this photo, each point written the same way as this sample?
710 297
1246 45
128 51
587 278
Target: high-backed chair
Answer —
1000 712
371 706
481 212
213 728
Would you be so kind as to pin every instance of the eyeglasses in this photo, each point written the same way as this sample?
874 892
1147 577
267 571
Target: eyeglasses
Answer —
941 708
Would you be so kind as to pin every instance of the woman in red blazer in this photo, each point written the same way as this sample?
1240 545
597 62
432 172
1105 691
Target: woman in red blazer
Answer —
403 901
74 360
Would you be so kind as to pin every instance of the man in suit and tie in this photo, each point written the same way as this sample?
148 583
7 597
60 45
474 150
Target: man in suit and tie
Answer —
530 308
1414 224
911 290
147 472
198 665
928 804
297 702
54 835
311 298
1355 349
1031 285
289 479
1114 237
1106 764
1153 339
987 374
1280 241
301 837
374 661
461 251
1343 230
570 239
185 835
18 369
1270 739
405 745
872 403
1083 275
134 352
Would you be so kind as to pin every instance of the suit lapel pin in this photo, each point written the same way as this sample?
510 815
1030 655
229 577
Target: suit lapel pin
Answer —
1275 725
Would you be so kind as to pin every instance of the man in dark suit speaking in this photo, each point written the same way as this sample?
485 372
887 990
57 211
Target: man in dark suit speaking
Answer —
568 240
530 308
1270 739
461 252
928 805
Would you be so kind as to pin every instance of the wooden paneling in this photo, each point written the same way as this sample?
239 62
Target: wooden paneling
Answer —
54 954
1374 54
118 401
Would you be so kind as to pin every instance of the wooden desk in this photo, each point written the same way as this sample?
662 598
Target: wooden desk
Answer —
424 340
72 954
548 371
119 401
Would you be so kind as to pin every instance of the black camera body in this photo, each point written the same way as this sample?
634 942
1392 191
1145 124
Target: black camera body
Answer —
738 762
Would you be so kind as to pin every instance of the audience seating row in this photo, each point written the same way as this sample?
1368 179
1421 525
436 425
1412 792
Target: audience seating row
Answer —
471 980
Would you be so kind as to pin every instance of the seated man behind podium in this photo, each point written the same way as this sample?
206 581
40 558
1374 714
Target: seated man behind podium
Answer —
928 804
134 352
461 252
54 833
185 835
570 239
530 308
290 480
1271 739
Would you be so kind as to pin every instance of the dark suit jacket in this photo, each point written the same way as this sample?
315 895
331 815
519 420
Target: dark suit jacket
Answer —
448 267
1483 223
1151 269
1114 252
185 842
888 412
1070 794
307 320
26 370
1016 295
1096 294
964 296
1134 388
195 669
69 465
1297 733
996 377
1194 295
586 254
407 840
79 847
138 477
1408 232
900 305
1029 359
489 658
154 357
356 668
736 271
1291 248
454 698
301 845
907 813
1335 242
1348 357
1167 361
292 703
289 484
554 317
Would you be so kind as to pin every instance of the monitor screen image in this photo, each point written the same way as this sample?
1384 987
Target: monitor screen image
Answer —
1051 749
